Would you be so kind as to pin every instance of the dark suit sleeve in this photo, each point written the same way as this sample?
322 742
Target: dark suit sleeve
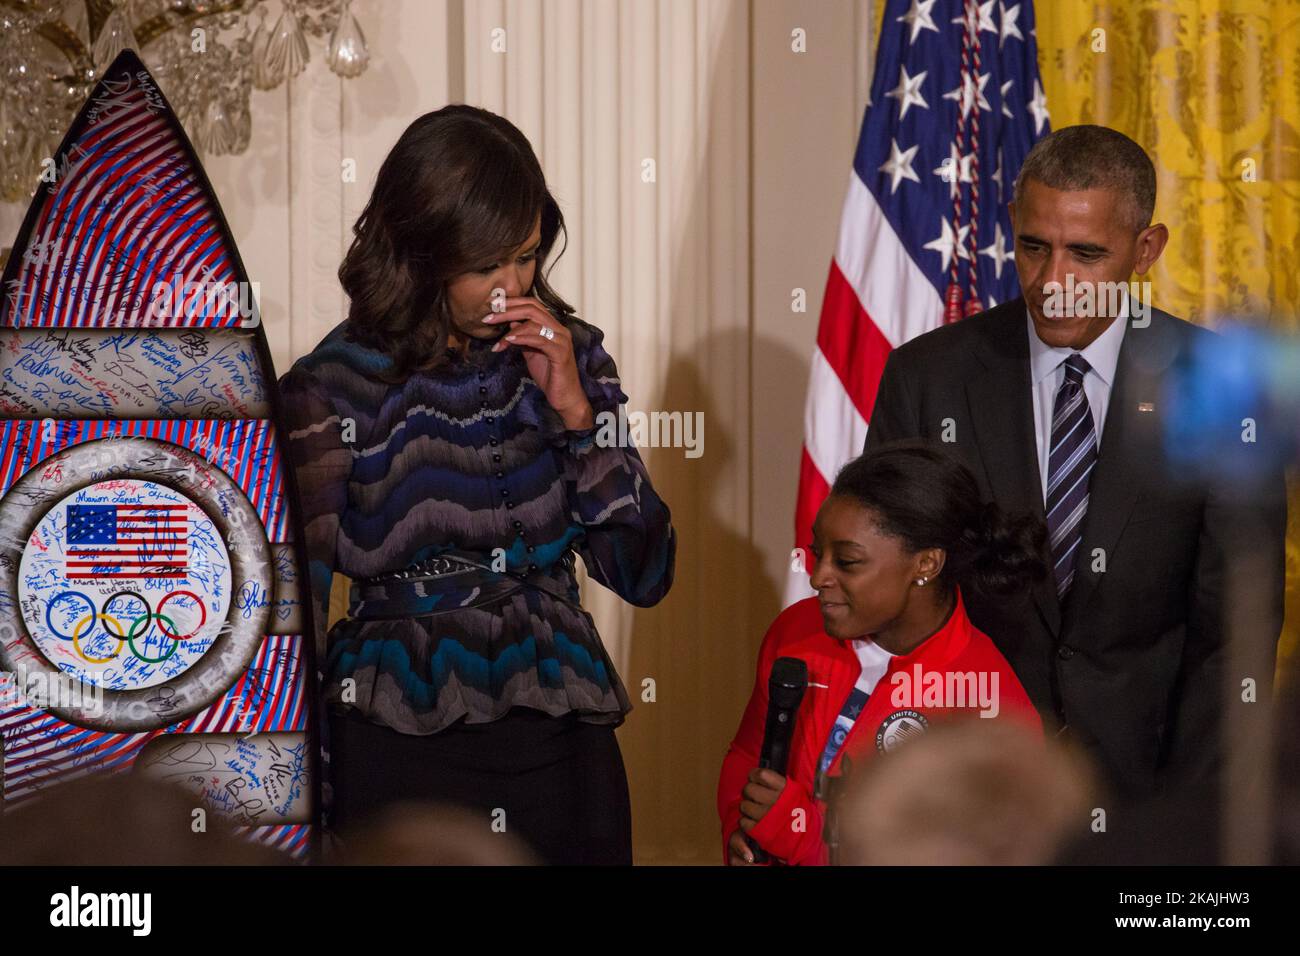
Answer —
895 414
1242 535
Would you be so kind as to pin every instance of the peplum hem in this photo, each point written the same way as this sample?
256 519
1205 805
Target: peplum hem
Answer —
419 675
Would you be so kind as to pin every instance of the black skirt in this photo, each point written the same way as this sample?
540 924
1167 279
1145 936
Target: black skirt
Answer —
560 781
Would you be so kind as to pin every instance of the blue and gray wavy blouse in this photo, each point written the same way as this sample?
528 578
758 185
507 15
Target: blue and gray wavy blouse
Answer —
467 459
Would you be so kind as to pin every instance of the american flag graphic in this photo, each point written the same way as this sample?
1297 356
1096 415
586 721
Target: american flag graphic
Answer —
250 445
127 541
925 237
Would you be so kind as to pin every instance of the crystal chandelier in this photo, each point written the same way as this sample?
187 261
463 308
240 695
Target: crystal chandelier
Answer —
206 54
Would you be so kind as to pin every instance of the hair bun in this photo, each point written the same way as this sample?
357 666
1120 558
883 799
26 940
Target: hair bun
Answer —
1010 550
992 523
925 496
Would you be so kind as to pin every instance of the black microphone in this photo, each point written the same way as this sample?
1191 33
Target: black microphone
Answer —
785 688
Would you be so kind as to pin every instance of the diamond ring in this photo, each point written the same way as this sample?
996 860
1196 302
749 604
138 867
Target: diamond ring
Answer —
547 333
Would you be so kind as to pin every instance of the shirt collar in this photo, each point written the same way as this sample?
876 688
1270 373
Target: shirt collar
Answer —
1102 353
943 645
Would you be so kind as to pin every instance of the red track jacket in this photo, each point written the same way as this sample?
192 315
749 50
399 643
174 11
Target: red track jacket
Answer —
902 702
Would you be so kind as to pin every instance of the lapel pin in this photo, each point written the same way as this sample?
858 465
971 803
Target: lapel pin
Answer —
1146 407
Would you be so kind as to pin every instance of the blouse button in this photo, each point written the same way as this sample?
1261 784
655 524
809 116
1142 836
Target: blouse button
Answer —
530 549
496 457
482 389
505 492
518 524
492 442
509 505
532 568
489 419
501 474
483 405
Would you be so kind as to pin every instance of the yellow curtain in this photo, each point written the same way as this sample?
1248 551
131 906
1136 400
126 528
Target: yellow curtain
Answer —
1211 90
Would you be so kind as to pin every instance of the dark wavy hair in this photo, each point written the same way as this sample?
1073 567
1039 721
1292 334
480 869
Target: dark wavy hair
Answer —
926 498
461 188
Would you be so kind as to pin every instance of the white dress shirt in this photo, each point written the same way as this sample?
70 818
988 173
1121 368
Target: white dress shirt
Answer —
1047 373
874 660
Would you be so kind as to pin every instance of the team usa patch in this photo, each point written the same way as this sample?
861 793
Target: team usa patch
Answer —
898 728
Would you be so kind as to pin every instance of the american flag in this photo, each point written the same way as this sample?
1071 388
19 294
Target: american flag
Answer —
127 541
925 237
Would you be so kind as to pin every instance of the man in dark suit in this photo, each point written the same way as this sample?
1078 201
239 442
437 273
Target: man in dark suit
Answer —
1122 647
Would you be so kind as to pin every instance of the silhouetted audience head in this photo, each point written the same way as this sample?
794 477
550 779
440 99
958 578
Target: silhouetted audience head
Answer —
123 819
966 793
430 834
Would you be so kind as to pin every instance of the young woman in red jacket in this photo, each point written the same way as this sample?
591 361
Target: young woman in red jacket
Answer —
888 645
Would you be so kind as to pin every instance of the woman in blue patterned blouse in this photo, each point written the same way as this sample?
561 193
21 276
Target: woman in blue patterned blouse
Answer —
445 445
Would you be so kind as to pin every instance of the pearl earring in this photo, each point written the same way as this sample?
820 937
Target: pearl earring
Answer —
921 582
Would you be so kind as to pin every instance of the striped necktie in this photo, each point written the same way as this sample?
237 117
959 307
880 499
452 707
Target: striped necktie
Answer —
1069 464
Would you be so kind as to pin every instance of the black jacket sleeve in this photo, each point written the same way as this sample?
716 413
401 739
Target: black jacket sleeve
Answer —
1240 563
895 415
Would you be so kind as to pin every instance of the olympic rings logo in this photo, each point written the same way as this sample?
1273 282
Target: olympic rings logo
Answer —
150 615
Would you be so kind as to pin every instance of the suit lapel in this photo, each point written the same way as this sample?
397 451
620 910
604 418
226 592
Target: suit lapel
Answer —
1002 413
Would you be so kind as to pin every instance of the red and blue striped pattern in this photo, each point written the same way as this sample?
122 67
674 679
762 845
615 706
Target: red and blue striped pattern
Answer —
41 749
292 838
128 209
248 448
